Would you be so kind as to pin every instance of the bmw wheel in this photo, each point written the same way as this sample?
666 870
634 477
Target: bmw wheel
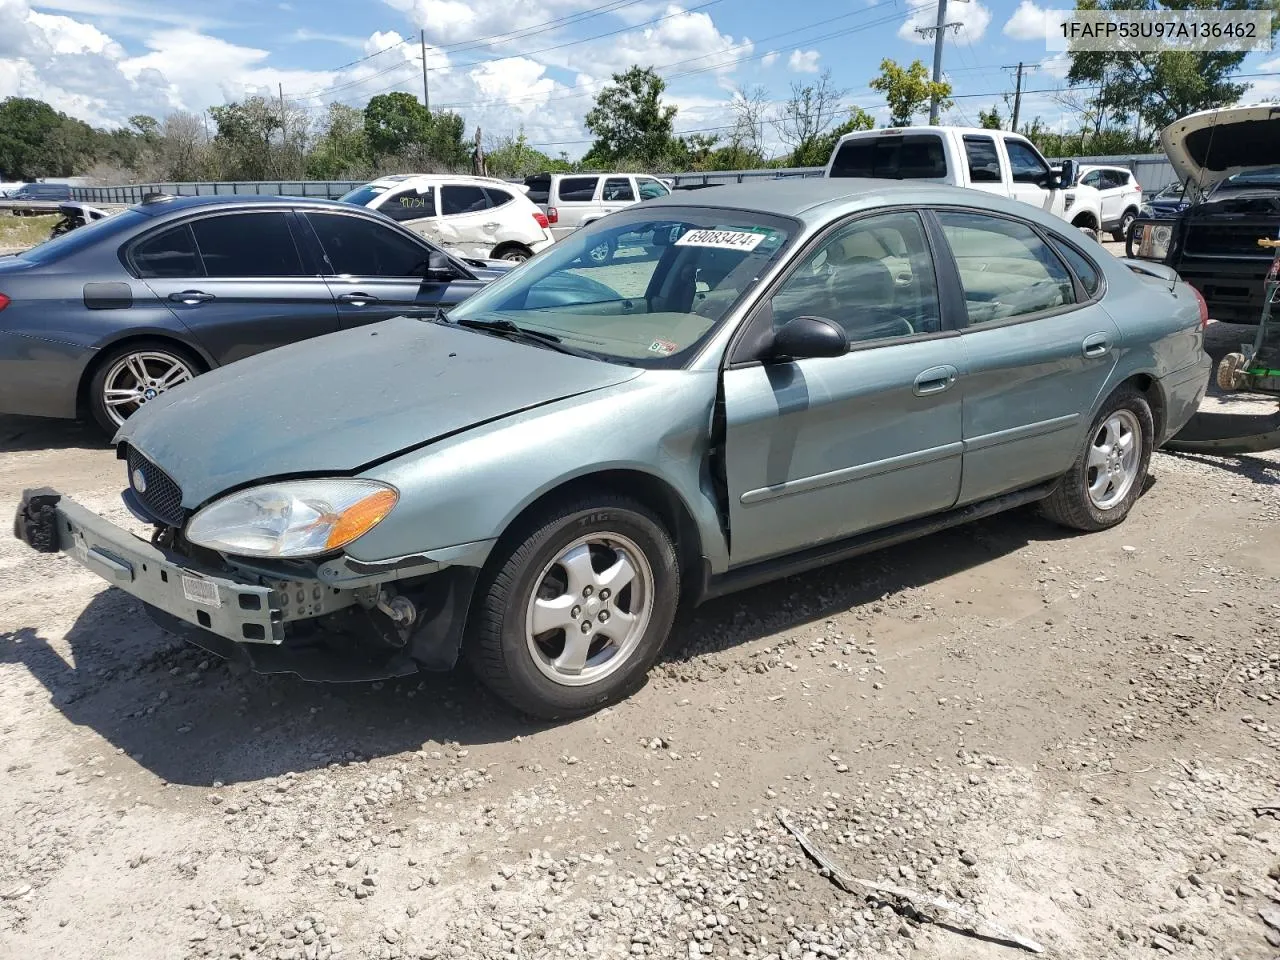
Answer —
131 375
576 609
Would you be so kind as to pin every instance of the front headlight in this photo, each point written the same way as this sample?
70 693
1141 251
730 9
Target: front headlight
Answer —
295 518
1153 241
1146 210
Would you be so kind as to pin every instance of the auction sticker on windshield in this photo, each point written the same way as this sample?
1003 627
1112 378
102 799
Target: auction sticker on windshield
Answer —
723 239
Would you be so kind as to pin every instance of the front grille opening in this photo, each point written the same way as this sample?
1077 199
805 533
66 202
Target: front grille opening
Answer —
159 493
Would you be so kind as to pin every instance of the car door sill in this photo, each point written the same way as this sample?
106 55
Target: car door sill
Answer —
764 571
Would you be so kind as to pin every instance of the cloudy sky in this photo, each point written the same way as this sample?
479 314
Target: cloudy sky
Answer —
509 64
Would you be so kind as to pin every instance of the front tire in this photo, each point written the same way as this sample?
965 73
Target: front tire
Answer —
1108 474
129 376
574 613
1121 233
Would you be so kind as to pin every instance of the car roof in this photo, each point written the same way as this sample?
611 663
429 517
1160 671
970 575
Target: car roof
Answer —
816 200
163 205
402 178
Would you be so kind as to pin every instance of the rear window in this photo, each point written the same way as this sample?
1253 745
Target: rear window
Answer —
456 199
83 237
577 189
539 188
984 162
917 156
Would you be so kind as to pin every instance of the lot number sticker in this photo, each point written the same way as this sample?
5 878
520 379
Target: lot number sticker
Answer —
722 239
201 591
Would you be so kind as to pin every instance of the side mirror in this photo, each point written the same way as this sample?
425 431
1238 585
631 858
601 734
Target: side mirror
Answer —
1069 174
439 269
807 337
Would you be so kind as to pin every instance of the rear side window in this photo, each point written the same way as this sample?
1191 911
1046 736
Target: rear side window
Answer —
497 198
539 188
169 253
910 157
617 189
462 199
363 248
984 162
577 189
1090 279
247 245
1006 270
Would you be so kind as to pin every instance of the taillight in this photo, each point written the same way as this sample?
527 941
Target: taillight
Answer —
4 301
1204 308
553 216
542 219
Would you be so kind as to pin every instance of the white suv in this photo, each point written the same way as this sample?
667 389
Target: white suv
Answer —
1121 197
572 200
474 216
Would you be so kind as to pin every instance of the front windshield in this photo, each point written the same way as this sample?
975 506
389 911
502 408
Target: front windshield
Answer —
361 196
1173 191
642 287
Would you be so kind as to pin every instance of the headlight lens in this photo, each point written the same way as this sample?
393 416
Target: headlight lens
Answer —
298 518
1146 211
1153 241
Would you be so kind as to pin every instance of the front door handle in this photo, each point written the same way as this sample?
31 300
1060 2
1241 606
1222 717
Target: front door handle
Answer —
356 299
935 380
191 297
1096 345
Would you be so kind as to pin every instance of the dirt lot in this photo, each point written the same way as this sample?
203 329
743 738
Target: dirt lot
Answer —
1068 733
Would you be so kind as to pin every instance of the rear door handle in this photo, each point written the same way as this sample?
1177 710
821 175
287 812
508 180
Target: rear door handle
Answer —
1096 345
492 226
356 299
191 297
935 380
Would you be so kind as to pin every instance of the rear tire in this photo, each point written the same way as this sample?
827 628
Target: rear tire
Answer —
548 634
158 359
1121 233
1111 468
513 253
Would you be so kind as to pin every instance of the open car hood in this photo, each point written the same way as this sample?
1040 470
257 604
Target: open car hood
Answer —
337 403
1211 145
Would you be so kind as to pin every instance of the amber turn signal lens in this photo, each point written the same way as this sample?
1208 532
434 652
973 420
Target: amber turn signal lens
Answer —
361 517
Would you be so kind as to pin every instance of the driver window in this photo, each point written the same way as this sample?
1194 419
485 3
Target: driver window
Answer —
873 277
1025 165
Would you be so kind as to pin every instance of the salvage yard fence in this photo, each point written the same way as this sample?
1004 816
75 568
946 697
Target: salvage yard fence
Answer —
1152 171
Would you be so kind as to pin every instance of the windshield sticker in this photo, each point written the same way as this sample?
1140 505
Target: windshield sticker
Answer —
722 239
663 348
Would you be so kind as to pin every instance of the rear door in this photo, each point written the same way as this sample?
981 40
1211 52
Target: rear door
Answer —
1037 345
986 173
237 281
467 222
573 200
375 272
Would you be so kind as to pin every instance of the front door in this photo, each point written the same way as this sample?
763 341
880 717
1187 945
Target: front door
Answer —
375 272
237 281
1029 174
821 449
1038 349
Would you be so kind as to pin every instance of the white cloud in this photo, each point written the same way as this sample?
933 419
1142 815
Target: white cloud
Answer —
1027 22
303 35
1057 66
804 61
972 17
516 79
1269 65
769 59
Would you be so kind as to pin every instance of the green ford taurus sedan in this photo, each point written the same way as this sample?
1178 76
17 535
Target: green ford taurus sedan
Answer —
764 378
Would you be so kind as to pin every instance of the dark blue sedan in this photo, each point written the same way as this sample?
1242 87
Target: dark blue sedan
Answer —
104 318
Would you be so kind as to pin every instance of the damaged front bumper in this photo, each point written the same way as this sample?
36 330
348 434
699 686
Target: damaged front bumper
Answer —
325 627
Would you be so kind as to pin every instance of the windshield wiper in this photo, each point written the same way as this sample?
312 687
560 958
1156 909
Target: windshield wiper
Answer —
513 331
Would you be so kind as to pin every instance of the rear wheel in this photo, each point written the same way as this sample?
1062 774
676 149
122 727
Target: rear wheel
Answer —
577 610
1108 475
129 376
513 252
1122 231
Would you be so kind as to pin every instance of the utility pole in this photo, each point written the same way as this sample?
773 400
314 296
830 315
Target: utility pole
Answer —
1017 100
938 31
426 97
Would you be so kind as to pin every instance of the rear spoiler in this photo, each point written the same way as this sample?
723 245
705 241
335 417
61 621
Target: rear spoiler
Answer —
1149 268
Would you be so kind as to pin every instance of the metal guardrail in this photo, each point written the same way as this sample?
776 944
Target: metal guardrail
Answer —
30 207
134 192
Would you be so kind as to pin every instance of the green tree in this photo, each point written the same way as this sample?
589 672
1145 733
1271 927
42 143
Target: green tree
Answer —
1158 87
342 149
26 127
631 123
244 137
909 90
145 126
513 157
990 119
394 121
444 143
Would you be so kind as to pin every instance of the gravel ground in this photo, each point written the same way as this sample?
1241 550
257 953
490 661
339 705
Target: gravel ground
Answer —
1069 734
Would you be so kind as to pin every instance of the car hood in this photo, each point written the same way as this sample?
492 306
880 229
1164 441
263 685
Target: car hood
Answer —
1211 145
340 402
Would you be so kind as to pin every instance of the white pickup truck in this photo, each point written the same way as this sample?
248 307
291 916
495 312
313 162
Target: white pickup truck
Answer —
990 160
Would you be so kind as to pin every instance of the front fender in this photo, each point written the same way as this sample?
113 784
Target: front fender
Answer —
469 488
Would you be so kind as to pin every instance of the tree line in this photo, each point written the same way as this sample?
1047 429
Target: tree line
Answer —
1114 103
